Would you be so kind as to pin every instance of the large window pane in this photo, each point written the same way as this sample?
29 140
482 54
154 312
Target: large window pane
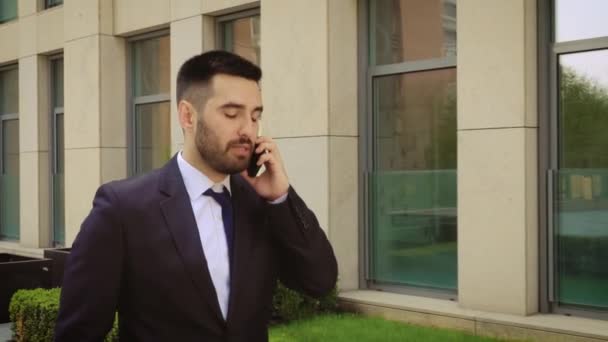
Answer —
8 10
9 91
413 204
151 65
582 197
242 36
408 30
153 141
576 19
9 180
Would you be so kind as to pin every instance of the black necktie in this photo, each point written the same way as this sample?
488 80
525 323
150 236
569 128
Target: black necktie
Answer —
223 199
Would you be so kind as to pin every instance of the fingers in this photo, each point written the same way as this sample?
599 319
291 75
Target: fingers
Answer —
266 157
265 144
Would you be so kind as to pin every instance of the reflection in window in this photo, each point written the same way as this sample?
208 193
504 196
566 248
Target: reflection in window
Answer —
152 135
8 10
9 91
414 182
9 179
242 36
151 65
409 30
581 201
52 3
575 19
9 154
151 115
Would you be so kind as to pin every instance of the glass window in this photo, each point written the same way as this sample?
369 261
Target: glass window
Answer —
575 19
9 91
8 10
52 3
414 179
581 202
9 154
242 36
151 66
412 216
151 140
409 30
57 153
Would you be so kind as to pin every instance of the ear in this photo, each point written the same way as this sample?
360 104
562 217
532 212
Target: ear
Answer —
186 115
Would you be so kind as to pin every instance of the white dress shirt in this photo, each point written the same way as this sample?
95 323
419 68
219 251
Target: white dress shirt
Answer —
208 215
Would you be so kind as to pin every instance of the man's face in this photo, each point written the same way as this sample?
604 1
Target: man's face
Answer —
227 127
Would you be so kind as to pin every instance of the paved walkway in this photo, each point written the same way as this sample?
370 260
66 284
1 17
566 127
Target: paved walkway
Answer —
5 332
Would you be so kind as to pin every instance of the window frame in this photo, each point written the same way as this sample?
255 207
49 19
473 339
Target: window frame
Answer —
54 111
133 101
548 138
367 72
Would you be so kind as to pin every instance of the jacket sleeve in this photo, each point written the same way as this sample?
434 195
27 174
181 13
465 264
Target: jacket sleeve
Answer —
307 262
92 275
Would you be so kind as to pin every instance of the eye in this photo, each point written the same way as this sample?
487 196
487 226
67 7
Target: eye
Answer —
231 113
256 116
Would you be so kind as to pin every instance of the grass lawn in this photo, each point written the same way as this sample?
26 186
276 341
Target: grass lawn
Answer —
349 327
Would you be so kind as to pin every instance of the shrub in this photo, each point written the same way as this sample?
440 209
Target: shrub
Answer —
289 305
34 312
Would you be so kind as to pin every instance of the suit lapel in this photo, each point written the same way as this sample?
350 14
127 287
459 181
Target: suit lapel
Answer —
180 220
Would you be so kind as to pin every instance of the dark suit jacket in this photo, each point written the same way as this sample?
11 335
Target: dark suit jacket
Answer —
139 252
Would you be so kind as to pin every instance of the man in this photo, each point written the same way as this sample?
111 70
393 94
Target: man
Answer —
192 251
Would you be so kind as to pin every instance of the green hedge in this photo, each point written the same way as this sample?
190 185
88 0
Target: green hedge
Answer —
34 312
289 305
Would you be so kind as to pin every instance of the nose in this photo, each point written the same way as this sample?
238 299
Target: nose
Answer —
248 128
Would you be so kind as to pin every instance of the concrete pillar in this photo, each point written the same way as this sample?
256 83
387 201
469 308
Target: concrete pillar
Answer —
186 41
95 114
34 168
310 89
343 139
497 156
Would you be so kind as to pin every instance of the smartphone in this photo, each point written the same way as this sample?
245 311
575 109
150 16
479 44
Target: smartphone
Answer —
254 168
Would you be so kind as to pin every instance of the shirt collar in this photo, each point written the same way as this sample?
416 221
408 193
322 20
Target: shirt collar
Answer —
197 182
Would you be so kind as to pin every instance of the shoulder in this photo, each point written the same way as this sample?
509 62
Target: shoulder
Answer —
134 186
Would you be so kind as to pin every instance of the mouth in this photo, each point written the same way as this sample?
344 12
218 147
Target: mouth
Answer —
241 149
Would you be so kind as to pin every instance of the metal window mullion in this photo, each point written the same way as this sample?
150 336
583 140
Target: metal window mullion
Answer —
9 116
363 154
1 150
238 15
149 99
581 45
149 35
552 173
413 66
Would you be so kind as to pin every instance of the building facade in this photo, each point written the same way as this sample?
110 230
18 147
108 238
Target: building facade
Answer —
453 150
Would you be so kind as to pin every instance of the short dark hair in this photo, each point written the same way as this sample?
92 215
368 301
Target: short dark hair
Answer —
200 69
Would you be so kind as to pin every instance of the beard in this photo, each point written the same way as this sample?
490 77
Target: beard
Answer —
218 157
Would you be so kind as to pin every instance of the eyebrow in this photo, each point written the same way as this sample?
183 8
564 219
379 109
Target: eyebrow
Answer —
240 106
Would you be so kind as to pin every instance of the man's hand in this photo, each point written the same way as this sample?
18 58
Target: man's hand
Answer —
273 183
